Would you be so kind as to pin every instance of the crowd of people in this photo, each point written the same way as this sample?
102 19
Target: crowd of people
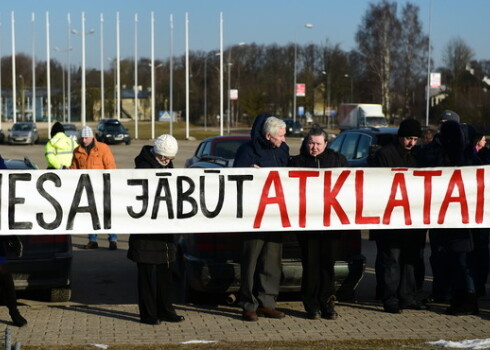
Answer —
459 256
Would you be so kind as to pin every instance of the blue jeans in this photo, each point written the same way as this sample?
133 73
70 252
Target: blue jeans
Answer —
93 237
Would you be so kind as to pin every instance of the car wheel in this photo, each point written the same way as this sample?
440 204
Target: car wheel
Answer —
60 294
128 142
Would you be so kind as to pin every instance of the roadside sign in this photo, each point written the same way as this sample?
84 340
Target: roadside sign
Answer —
233 94
300 90
435 80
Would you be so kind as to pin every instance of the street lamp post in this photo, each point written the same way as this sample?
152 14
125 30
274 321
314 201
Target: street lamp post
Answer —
57 49
22 97
229 85
308 26
83 33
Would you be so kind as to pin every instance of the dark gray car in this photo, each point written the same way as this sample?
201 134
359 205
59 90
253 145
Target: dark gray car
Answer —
358 144
45 264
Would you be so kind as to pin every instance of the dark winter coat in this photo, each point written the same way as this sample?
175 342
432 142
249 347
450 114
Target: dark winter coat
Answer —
452 147
151 248
327 159
259 150
393 155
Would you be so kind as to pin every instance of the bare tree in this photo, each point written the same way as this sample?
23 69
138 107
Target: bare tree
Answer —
412 59
377 39
456 56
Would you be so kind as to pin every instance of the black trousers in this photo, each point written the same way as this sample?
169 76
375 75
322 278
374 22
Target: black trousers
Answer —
318 260
399 256
154 295
7 289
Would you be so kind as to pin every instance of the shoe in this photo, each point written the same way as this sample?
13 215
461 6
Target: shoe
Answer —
313 315
152 321
392 309
171 318
463 304
415 306
112 245
328 311
270 312
17 318
91 245
250 316
439 299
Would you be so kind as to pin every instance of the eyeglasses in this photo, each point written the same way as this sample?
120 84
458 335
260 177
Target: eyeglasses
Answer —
164 158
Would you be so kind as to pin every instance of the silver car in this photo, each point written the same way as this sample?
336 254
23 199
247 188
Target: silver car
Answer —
71 131
23 133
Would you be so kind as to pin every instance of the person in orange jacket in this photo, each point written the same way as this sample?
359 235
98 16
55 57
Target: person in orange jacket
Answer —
91 154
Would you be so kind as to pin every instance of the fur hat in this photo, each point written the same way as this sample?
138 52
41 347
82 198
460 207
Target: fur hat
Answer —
166 145
57 127
86 132
449 115
410 128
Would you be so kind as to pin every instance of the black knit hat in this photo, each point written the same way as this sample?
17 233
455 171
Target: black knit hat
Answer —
410 128
57 127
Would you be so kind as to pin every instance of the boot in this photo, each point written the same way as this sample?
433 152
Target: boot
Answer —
17 318
328 310
463 303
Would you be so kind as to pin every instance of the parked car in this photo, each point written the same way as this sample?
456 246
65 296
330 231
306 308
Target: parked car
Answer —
293 128
45 264
71 131
216 149
23 133
358 144
209 263
112 131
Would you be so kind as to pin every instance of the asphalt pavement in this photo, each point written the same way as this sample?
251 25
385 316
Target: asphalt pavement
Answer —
104 310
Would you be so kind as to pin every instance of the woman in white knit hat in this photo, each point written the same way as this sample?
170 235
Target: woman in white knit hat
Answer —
155 253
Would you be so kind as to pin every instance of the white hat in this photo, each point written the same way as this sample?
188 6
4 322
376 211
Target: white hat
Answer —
166 145
86 132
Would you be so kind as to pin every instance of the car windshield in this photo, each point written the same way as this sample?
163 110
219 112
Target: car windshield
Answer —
115 128
22 127
227 149
70 127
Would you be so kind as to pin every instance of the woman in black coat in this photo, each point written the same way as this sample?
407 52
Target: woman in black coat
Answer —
318 248
155 253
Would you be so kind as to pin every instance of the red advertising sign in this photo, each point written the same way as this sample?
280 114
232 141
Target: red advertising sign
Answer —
300 90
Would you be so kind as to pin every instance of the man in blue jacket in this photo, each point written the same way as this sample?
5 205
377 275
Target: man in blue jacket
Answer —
262 252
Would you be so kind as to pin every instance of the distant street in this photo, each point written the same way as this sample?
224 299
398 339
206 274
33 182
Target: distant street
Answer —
124 154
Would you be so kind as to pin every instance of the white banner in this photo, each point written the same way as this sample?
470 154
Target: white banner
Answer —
240 200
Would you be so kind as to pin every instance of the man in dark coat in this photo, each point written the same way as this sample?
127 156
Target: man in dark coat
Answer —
450 247
318 248
262 252
399 251
154 253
